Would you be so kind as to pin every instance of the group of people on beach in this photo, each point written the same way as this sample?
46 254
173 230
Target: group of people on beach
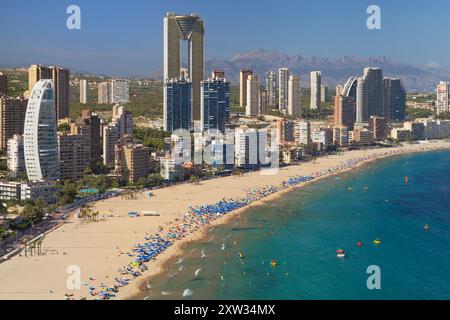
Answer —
199 216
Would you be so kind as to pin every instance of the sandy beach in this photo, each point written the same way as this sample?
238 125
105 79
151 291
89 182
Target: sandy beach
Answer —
101 248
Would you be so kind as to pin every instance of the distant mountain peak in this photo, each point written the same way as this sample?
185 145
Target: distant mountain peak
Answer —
334 70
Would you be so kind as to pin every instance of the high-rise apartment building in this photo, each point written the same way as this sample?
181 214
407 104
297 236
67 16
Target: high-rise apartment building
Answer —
294 96
252 107
246 147
93 121
340 136
215 104
134 161
74 154
263 102
442 97
379 128
121 126
40 141
302 132
316 82
283 88
369 100
271 88
323 93
119 91
124 118
16 157
285 131
323 137
394 99
177 104
243 76
344 111
60 77
111 136
3 84
188 28
12 118
104 92
83 91
37 72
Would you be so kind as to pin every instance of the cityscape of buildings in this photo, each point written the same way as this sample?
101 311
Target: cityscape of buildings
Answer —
44 146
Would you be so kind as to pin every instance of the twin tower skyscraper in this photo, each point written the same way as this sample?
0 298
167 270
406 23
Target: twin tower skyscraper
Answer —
178 28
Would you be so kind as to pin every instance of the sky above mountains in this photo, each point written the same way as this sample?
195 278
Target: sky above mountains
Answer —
122 38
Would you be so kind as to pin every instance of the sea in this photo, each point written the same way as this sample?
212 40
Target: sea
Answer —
286 248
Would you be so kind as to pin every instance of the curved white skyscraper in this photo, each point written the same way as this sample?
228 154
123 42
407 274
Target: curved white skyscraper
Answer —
40 141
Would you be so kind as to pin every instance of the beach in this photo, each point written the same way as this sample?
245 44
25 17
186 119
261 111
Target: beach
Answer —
101 248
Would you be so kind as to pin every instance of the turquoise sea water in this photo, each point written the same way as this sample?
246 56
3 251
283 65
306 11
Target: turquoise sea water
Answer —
303 229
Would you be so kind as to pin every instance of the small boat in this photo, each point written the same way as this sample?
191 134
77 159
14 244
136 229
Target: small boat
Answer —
426 227
406 179
377 241
241 255
340 253
273 263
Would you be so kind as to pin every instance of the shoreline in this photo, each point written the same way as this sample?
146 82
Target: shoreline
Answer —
136 288
100 248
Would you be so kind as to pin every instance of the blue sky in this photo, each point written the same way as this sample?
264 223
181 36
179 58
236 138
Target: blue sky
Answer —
121 37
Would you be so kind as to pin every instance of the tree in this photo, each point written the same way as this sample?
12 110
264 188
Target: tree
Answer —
68 192
64 127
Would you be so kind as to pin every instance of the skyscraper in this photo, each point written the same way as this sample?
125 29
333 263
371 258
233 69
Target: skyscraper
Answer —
271 88
215 104
442 97
119 91
283 87
74 154
379 127
37 72
188 28
111 135
263 102
294 97
316 81
177 104
104 92
83 91
60 79
345 104
93 120
323 93
243 76
302 132
12 119
40 143
369 99
344 111
252 107
16 158
3 84
120 127
394 99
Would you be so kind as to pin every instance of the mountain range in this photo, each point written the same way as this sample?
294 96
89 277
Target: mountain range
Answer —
334 71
